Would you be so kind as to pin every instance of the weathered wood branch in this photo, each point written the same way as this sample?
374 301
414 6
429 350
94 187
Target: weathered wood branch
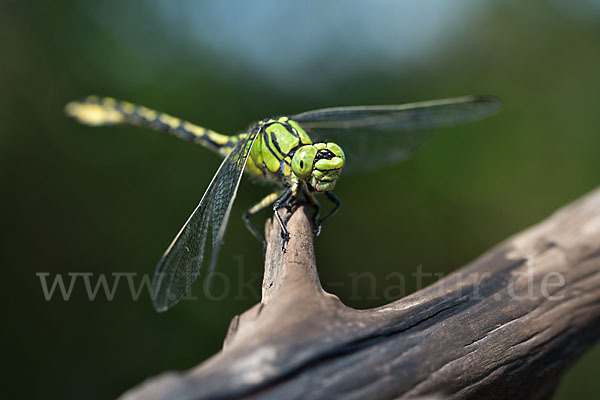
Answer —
505 326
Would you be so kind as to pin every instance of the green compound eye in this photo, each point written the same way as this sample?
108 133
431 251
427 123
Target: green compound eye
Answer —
302 162
336 150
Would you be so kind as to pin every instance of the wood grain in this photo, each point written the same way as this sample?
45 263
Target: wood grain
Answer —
505 326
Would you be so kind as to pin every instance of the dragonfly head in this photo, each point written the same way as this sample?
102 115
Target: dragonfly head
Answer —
319 164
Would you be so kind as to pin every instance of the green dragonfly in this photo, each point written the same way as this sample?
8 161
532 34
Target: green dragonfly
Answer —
302 154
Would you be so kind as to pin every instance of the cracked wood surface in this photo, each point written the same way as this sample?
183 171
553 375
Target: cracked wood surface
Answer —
505 326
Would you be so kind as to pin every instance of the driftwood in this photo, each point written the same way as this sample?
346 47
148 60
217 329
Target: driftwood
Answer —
505 326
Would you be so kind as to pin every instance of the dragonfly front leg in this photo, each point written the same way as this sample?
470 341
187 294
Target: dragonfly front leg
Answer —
255 209
336 205
316 213
283 201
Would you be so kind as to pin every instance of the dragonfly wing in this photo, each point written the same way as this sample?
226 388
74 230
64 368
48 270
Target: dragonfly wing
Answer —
373 136
180 265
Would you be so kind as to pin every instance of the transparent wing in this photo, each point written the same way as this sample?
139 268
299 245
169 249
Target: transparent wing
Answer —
180 265
373 136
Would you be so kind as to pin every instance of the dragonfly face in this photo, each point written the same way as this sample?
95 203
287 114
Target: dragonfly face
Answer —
319 164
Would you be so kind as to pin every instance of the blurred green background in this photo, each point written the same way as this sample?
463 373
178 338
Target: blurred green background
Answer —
109 200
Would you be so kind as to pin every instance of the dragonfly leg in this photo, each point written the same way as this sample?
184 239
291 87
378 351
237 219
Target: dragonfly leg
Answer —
316 213
283 201
255 209
336 205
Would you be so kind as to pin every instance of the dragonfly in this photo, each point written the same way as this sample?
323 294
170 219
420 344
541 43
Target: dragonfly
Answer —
303 154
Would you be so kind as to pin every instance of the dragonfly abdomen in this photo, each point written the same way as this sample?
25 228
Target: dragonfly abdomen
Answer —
96 111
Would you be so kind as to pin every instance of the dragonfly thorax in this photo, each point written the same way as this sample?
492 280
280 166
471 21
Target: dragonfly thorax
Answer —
319 164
